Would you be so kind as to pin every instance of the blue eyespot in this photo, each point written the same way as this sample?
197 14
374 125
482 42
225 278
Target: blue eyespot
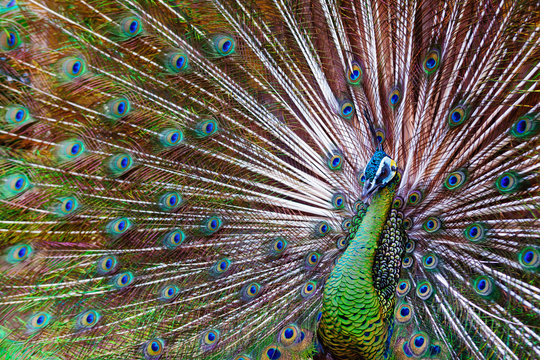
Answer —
338 201
419 344
168 293
395 97
88 319
224 45
322 229
211 225
278 247
18 253
220 267
131 26
171 137
312 259
170 201
430 261
431 62
9 39
525 127
206 128
17 115
335 161
457 115
308 289
484 286
476 232
432 224
404 313
118 108
210 339
122 280
424 290
118 226
13 185
250 291
529 258
508 182
106 264
354 73
153 349
38 321
73 67
346 109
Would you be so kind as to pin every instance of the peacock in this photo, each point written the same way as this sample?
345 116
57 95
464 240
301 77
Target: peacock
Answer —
270 179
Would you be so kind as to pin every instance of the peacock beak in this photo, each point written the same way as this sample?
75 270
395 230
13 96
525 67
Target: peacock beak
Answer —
370 186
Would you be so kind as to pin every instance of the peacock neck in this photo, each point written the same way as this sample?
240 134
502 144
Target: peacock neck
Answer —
353 323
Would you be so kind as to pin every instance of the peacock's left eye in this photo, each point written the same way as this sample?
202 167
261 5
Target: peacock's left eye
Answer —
19 253
131 26
346 109
153 349
224 45
9 39
312 259
88 319
308 289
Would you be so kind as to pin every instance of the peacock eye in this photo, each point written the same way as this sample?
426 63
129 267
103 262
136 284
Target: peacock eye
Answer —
9 39
131 26
289 335
419 344
153 349
19 253
308 289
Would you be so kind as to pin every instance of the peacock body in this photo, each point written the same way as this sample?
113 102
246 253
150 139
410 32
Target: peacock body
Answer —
269 180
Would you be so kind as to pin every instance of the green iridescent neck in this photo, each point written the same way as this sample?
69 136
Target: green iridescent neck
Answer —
353 323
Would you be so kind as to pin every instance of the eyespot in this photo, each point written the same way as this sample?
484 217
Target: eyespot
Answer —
308 289
170 201
414 198
403 288
380 134
153 349
18 253
354 73
338 201
118 108
210 339
250 291
224 45
221 267
17 115
278 246
476 232
118 226
419 344
430 261
395 97
407 223
407 262
335 161
173 239
424 290
70 150
168 292
312 259
67 206
431 62
73 67
88 319
122 280
361 178
346 224
171 137
322 228
407 350
38 321
409 246
14 185
206 128
342 243
289 335
106 264
508 182
455 179
346 109
211 225
242 357
119 164
457 115
524 127
529 258
9 39
131 26
432 224
404 313
177 62
483 286
271 352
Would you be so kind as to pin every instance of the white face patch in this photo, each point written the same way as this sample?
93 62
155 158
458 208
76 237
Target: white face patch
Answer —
386 171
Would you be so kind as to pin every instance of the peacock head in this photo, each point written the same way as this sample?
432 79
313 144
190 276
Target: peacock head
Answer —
380 170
